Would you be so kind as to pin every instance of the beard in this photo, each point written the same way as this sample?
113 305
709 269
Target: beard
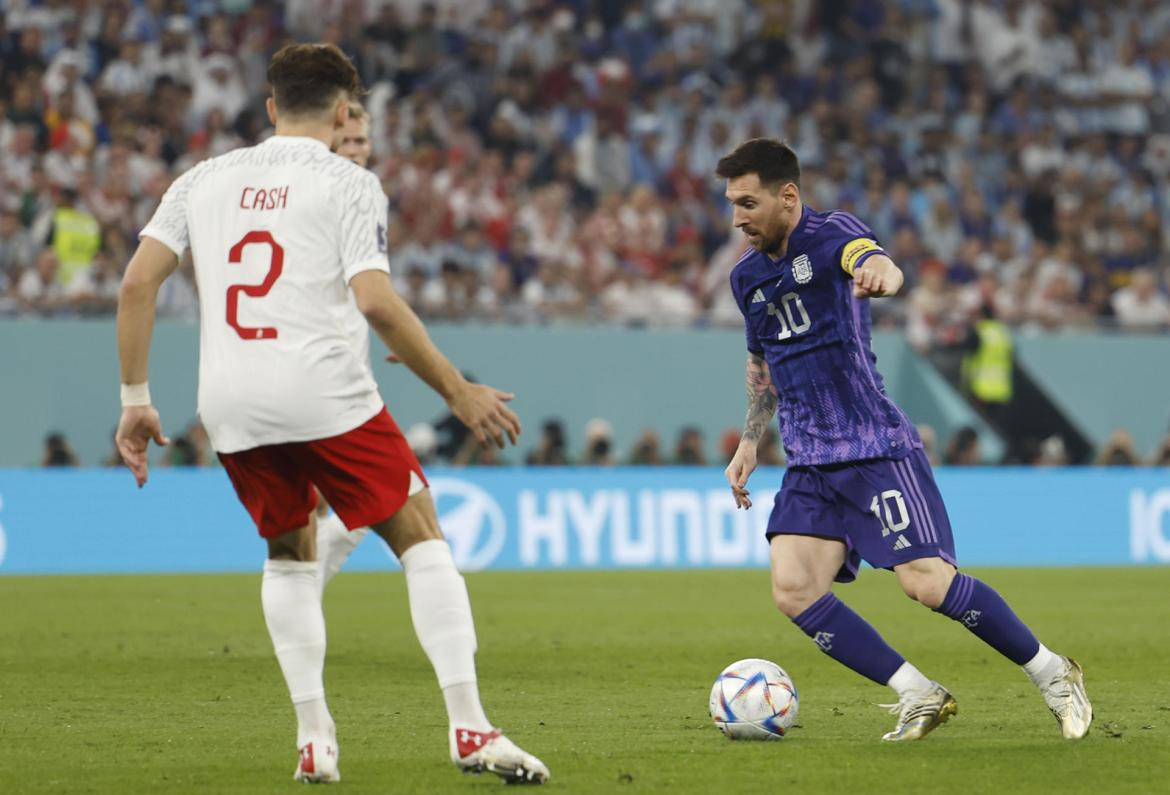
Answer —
768 244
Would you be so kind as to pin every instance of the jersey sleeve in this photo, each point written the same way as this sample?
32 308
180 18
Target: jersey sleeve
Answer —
364 215
168 225
851 241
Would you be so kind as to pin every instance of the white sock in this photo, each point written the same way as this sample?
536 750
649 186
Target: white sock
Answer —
335 544
908 679
1044 667
291 599
441 613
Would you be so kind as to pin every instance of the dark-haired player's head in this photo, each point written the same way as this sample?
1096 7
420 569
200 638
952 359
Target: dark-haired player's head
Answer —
311 83
763 186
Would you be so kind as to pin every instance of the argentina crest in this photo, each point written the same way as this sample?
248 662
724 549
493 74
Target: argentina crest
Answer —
802 269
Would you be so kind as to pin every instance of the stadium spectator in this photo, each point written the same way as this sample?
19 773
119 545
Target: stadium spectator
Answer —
58 452
94 289
72 231
17 252
646 450
1140 306
1053 452
598 443
963 448
689 451
551 449
40 290
1119 450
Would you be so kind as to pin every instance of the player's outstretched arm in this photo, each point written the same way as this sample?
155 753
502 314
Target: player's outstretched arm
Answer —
761 395
481 408
151 264
878 276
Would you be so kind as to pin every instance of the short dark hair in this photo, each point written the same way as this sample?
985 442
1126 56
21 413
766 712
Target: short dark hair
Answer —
773 161
306 78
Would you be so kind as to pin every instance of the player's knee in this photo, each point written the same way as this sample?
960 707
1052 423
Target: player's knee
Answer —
794 594
927 585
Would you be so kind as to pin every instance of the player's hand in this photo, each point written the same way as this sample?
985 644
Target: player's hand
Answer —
742 465
138 425
393 359
878 276
483 409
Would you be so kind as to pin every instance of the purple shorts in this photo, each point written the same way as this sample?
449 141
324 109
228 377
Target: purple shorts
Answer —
886 511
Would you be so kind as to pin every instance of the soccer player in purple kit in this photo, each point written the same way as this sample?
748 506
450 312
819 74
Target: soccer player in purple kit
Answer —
858 485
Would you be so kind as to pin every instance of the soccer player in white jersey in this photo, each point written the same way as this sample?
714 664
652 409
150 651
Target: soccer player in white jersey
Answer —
336 542
289 245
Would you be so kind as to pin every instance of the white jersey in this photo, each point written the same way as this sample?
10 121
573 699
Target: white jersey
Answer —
276 232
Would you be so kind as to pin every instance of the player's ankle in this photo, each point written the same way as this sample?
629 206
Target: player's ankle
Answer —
1043 667
908 680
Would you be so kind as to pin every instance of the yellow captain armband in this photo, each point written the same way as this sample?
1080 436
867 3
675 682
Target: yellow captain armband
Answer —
856 251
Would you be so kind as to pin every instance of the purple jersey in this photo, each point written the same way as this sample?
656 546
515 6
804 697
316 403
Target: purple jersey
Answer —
801 317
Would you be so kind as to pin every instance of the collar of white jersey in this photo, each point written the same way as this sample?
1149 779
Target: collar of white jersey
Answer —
293 140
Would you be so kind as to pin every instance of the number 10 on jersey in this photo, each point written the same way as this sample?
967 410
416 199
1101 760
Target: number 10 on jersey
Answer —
793 319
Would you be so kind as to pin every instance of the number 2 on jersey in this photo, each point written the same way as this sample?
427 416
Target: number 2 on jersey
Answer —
275 266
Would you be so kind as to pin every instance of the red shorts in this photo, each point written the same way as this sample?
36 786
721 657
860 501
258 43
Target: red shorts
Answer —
364 474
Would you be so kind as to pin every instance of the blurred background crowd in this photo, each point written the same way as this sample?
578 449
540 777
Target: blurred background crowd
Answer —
550 161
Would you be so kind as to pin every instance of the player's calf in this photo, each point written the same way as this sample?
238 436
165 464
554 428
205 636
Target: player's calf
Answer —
979 608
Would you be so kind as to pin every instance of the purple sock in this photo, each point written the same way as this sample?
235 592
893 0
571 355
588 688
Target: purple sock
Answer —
980 609
849 639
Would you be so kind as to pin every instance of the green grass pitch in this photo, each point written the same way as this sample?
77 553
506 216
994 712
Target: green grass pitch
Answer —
168 684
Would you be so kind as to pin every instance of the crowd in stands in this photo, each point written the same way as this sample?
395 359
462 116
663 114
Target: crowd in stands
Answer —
551 161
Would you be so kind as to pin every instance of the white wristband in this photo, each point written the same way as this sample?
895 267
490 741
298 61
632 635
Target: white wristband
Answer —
135 394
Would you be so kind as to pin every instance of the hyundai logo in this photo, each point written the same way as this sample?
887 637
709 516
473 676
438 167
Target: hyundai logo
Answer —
471 520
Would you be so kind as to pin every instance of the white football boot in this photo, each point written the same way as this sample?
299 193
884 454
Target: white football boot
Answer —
476 752
1066 697
921 713
318 762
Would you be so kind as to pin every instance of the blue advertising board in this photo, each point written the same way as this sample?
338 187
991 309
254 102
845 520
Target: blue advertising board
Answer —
96 521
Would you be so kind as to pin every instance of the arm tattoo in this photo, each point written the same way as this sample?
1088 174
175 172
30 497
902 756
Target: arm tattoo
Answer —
761 395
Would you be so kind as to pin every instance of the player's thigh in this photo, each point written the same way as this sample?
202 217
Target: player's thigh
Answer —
414 522
807 541
804 566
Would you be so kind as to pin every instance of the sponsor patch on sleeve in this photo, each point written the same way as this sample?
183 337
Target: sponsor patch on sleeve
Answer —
856 251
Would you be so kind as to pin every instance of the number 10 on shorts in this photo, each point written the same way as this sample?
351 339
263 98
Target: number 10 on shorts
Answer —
886 506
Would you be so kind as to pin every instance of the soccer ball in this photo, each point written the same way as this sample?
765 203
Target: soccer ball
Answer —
754 700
